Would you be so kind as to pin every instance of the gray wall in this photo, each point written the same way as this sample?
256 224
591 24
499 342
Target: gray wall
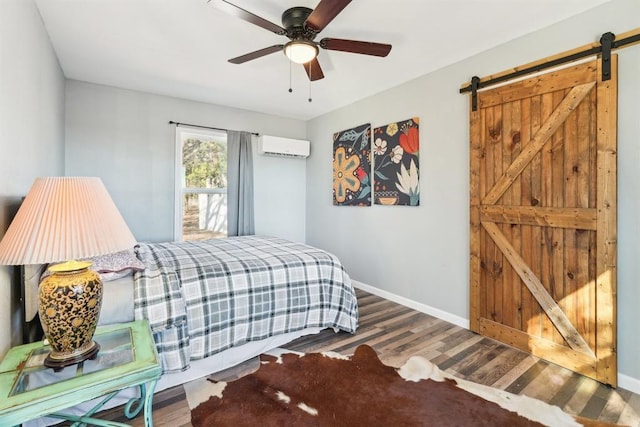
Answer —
422 253
125 138
31 126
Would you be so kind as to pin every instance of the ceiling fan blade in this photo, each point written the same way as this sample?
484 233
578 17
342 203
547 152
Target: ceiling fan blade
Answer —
313 69
256 54
324 13
239 12
354 46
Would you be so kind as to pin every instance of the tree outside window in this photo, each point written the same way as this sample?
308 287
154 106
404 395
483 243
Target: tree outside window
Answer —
203 187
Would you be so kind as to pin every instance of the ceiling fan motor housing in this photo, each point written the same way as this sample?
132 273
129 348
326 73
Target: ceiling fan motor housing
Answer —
293 20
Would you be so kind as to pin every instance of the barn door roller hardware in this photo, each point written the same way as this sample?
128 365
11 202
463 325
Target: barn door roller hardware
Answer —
606 41
475 85
607 44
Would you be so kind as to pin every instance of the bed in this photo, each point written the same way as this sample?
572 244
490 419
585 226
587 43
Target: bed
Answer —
204 297
213 304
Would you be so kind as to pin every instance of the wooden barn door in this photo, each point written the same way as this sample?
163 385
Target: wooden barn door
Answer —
543 217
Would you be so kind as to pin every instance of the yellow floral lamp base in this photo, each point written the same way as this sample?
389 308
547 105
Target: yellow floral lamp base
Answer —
70 301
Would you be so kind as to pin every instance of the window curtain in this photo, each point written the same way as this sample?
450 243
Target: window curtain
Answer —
240 220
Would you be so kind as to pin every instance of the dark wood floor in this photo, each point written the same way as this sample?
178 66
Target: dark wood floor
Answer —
397 333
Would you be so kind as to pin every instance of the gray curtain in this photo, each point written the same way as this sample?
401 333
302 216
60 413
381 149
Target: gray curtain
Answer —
240 220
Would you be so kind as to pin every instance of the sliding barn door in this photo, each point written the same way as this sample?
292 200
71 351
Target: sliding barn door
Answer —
543 217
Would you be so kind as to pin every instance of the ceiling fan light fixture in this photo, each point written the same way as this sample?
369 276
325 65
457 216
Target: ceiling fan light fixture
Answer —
300 51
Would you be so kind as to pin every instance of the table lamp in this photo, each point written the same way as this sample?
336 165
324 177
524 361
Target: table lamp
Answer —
64 219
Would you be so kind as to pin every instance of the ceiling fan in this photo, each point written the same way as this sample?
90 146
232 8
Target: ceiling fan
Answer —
301 25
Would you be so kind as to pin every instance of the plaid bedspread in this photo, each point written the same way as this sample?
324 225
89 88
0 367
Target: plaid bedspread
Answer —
203 297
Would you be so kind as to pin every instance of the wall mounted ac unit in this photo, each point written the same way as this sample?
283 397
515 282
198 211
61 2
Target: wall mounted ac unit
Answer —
277 146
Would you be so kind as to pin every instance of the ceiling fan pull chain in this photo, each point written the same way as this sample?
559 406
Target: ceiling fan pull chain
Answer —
290 90
310 64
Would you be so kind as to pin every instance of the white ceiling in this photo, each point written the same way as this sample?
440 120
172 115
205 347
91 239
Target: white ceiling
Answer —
180 47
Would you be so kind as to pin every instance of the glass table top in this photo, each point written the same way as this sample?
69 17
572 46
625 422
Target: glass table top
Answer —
116 348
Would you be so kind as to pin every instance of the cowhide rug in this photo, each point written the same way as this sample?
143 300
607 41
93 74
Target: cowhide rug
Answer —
328 389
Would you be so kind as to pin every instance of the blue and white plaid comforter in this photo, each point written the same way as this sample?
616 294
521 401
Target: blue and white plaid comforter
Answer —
204 297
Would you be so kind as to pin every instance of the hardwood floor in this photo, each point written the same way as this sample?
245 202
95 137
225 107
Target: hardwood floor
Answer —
397 333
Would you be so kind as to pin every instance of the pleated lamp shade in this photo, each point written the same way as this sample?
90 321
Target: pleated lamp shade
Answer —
62 219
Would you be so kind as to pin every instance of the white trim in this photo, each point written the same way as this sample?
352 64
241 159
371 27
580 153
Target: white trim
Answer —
629 383
204 191
624 381
177 190
423 308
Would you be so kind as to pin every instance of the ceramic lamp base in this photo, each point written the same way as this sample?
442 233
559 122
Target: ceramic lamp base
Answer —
70 301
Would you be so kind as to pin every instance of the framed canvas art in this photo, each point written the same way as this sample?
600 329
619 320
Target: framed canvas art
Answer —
352 166
396 163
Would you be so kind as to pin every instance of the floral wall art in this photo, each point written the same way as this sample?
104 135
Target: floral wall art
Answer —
396 163
352 166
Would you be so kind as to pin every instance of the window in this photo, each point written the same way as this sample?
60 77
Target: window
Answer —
201 184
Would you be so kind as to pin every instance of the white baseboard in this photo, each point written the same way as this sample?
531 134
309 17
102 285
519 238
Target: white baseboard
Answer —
624 381
629 383
423 308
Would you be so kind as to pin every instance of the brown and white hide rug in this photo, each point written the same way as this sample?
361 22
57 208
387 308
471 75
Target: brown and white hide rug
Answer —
328 389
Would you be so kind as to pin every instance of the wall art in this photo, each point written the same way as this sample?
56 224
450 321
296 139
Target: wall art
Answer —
396 163
352 166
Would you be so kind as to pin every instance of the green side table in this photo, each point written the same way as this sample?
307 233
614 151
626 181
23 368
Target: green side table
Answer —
127 358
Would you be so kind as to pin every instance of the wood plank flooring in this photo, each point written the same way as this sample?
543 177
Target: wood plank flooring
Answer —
397 333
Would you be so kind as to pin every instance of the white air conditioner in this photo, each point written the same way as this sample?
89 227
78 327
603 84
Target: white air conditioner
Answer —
277 146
